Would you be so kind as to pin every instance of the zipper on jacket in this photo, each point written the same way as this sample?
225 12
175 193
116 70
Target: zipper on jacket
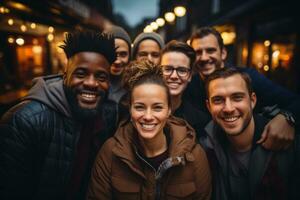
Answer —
157 181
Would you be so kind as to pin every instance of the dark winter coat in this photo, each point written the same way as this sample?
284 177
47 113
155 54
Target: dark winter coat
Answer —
271 175
38 142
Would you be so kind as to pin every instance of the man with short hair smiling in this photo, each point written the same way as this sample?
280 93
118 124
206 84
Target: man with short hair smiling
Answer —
48 142
211 55
243 169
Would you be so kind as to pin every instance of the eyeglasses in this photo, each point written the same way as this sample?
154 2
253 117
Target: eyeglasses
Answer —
182 72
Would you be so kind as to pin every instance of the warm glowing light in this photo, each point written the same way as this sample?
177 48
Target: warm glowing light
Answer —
154 25
50 37
275 54
266 68
10 22
267 43
19 6
35 41
179 11
148 29
51 29
11 40
4 10
37 49
188 42
160 21
23 28
170 17
228 37
33 25
20 41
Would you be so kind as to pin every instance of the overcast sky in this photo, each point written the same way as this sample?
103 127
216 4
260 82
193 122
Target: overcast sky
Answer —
135 10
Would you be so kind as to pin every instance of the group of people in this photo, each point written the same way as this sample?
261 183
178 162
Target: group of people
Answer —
149 120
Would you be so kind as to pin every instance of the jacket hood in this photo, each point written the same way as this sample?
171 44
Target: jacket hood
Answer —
182 138
49 90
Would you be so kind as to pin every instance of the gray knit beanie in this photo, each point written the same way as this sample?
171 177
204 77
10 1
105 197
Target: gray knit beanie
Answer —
142 36
119 32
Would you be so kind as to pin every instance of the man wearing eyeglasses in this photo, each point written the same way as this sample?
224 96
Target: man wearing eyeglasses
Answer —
176 61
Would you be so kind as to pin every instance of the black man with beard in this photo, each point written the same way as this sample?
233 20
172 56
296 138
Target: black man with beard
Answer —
49 140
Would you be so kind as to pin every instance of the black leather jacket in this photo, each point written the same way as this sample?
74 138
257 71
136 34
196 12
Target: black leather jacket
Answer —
38 140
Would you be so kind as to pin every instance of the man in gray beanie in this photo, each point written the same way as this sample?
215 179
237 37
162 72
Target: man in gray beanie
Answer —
148 46
123 50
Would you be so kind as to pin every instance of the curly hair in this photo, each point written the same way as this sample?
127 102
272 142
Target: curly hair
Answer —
90 41
144 72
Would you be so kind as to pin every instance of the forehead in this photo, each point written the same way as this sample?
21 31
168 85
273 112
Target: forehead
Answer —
121 44
176 59
227 86
149 92
88 60
206 41
148 44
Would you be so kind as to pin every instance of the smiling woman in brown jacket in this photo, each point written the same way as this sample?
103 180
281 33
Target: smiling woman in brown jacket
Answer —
153 155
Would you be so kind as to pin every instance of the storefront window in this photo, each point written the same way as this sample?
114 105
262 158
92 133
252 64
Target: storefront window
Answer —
273 58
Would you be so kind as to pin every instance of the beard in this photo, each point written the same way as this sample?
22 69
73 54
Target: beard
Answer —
79 112
245 125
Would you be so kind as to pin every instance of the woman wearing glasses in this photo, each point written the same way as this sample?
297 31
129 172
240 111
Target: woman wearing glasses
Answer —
153 155
177 60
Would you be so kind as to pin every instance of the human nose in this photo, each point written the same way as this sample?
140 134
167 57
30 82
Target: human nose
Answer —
174 73
204 55
90 81
149 57
148 115
228 106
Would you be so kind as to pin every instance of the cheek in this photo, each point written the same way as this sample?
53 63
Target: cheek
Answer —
104 85
215 110
135 116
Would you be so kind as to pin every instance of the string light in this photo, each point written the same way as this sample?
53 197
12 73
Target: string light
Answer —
160 21
170 17
179 11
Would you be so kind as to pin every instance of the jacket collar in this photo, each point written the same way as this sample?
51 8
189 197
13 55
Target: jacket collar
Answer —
182 141
260 157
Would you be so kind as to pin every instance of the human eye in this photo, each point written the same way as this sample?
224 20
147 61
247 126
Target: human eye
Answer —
217 100
102 76
167 69
183 71
238 97
155 54
79 73
142 54
158 108
138 107
122 54
198 52
210 50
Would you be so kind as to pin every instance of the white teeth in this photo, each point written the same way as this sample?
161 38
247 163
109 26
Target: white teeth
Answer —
148 126
230 119
173 85
89 96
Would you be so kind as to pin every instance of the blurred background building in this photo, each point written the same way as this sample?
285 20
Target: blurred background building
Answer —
263 34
